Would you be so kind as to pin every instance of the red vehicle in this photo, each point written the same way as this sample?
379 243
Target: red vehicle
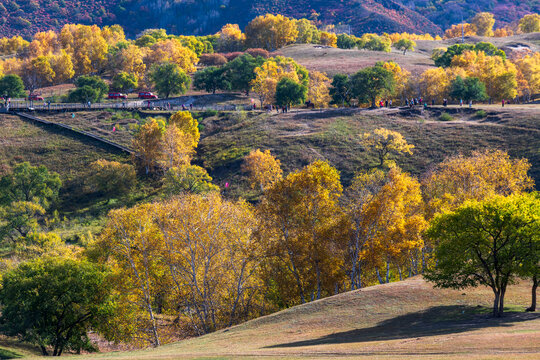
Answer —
35 97
147 95
117 96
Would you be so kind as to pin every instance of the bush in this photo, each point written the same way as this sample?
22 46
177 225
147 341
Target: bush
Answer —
232 55
480 114
112 177
446 117
212 60
258 52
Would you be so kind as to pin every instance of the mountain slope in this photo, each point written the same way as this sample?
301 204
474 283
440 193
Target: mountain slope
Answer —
405 320
25 17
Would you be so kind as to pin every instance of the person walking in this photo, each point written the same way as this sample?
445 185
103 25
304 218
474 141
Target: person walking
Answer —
502 102
460 102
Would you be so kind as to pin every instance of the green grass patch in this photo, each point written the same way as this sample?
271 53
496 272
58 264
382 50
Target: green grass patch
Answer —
445 117
8 354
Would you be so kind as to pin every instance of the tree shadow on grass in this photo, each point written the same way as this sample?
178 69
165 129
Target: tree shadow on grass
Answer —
439 320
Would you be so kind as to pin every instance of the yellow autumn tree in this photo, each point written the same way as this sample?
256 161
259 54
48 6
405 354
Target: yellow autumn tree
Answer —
147 145
212 260
435 84
401 79
530 23
384 144
87 47
528 69
328 39
176 148
483 174
62 66
271 32
263 169
298 217
43 43
172 50
133 243
13 45
456 31
268 75
483 22
499 75
231 38
319 89
131 61
503 32
185 122
37 72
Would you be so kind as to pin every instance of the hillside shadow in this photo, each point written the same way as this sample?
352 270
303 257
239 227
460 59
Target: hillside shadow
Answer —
439 320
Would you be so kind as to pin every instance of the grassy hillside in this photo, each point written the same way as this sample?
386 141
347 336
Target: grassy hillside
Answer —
25 17
405 320
332 60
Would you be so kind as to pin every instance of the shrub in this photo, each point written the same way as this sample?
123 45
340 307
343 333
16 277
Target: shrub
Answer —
112 177
258 52
480 114
232 55
212 59
446 117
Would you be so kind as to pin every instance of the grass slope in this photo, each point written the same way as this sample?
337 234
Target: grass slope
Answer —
333 61
405 320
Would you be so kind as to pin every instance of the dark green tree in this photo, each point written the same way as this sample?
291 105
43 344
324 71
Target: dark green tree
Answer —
124 82
341 90
483 243
372 82
29 183
241 71
94 82
169 79
84 95
289 92
211 79
12 86
54 303
467 89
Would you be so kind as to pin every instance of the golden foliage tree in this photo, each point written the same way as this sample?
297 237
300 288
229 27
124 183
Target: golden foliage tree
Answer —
456 31
483 22
263 169
271 32
328 39
498 74
385 143
185 122
231 38
172 50
87 47
297 216
530 23
319 89
147 145
477 177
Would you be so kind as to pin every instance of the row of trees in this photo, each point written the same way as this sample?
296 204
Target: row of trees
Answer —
209 262
482 25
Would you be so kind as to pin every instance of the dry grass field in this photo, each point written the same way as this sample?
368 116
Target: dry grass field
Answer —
402 320
333 61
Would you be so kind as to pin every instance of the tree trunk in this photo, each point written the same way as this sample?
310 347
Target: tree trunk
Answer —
319 282
387 272
496 303
533 295
379 276
44 350
501 303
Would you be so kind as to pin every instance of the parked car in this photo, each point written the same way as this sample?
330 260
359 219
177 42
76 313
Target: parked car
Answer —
116 95
35 97
147 95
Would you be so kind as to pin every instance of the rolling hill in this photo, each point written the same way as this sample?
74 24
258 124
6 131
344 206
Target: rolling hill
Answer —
406 320
25 17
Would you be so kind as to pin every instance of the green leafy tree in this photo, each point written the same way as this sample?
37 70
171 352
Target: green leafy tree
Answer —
341 90
345 41
94 82
125 82
289 92
84 95
445 59
405 44
372 82
241 72
483 243
29 183
468 89
211 79
12 86
54 303
169 78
